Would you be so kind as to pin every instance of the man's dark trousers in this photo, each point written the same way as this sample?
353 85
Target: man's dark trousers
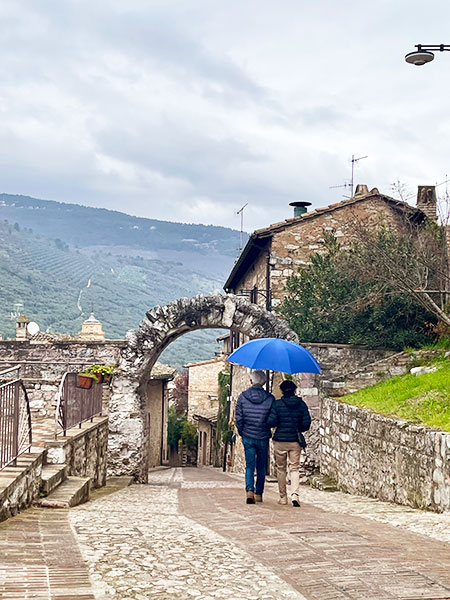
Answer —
255 456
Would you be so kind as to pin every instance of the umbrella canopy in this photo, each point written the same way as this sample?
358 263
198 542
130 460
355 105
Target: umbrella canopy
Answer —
275 354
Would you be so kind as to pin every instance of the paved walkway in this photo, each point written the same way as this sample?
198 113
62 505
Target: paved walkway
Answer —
40 558
321 553
190 535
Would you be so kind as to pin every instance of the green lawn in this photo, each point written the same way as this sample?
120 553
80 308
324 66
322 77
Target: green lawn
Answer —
418 398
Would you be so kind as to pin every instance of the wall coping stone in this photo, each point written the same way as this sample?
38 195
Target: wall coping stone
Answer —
75 433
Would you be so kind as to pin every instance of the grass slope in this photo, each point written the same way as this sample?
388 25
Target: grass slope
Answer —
417 398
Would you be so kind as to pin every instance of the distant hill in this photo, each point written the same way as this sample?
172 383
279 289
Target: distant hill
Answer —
61 261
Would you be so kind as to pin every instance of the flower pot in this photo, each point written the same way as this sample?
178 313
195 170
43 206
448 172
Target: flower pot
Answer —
84 382
99 377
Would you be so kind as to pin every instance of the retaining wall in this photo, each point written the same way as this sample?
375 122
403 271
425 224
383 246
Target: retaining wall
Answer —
83 450
390 459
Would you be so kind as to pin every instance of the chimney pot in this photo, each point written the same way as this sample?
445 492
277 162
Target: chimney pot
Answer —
361 190
300 208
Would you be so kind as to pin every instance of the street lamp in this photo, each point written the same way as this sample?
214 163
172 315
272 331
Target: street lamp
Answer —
424 54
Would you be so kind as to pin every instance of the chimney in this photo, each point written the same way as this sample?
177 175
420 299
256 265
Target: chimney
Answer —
426 201
300 208
361 190
21 328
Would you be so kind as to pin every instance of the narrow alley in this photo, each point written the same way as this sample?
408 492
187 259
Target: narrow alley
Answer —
189 534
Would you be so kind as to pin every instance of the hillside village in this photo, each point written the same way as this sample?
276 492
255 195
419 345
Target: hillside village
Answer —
224 301
144 417
259 277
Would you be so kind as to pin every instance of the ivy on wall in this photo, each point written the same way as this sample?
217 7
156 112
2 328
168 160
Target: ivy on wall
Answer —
224 433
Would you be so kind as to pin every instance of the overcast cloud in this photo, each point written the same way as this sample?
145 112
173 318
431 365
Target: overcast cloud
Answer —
187 110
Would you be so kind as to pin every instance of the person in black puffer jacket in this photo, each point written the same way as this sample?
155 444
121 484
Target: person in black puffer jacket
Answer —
252 410
290 416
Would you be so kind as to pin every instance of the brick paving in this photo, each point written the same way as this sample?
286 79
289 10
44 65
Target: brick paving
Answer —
190 535
322 554
40 558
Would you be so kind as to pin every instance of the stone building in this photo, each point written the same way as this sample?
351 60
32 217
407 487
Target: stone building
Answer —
91 329
158 413
203 387
274 253
207 430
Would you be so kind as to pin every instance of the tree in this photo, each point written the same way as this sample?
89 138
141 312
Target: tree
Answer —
189 433
413 261
179 393
174 426
327 301
179 428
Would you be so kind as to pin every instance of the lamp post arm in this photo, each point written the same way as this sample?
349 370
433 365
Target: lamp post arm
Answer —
433 47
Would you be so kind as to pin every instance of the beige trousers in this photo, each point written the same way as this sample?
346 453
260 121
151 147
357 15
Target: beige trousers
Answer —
287 455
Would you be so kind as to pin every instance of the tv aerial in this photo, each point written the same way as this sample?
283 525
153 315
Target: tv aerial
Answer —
343 185
241 212
354 161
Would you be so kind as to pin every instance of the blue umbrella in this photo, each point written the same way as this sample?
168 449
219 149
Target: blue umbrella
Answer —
275 354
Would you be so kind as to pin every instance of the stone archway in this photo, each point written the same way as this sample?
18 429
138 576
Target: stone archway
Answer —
129 437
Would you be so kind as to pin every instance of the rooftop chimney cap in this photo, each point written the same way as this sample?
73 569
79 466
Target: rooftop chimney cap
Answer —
301 204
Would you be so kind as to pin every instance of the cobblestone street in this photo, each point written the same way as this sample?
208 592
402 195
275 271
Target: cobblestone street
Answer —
190 535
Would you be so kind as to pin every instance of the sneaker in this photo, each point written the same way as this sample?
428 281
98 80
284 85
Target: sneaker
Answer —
295 502
250 497
282 500
258 497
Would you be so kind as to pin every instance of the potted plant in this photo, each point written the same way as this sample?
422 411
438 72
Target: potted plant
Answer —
86 379
102 372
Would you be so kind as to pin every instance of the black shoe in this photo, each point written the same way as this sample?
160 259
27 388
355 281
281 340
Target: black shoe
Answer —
296 503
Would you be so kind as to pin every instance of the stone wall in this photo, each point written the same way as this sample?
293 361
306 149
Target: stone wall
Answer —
256 275
20 485
157 410
43 365
390 459
84 450
51 361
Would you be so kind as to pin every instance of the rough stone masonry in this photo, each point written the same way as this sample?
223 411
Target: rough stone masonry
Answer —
129 428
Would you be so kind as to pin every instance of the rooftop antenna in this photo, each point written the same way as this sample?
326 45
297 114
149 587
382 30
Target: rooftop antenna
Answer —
241 212
355 160
343 185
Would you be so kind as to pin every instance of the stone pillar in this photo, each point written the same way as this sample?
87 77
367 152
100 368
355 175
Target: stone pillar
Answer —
128 431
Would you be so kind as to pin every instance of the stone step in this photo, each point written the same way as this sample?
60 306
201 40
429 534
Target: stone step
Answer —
52 476
73 491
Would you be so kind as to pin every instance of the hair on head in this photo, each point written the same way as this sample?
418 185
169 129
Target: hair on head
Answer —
288 387
258 377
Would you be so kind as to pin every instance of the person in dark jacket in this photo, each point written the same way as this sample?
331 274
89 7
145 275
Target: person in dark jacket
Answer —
252 410
290 416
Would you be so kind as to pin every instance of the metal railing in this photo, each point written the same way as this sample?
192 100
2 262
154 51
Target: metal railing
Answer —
15 417
76 405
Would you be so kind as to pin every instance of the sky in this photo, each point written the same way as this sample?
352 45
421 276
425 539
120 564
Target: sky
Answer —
187 110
